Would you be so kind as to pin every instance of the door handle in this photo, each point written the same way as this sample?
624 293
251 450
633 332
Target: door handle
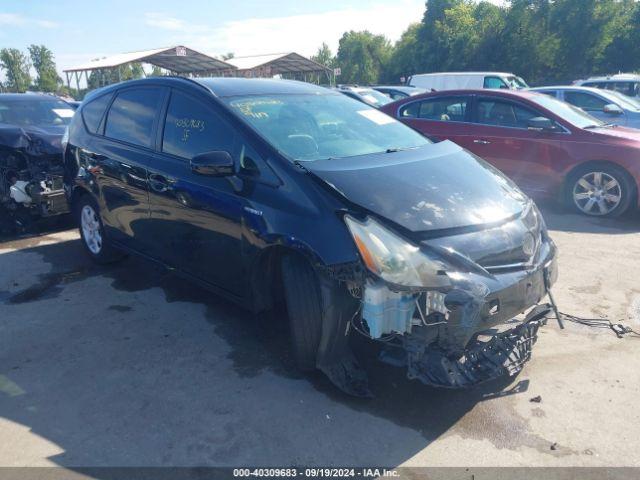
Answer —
482 142
158 183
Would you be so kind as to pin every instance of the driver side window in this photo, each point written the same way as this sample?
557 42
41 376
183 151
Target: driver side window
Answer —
585 101
494 82
192 128
501 113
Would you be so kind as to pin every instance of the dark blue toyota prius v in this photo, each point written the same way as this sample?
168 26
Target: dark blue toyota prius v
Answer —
268 190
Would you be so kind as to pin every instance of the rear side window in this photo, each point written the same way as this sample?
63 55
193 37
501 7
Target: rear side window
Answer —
504 114
585 101
628 88
93 112
132 114
449 109
631 89
191 128
494 82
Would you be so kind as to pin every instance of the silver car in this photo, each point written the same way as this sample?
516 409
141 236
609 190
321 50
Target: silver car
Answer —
606 105
625 83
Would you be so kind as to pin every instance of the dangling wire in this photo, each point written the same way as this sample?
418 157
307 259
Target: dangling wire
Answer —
618 328
356 323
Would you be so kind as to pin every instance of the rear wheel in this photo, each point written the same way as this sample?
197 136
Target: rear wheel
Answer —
304 308
600 190
92 232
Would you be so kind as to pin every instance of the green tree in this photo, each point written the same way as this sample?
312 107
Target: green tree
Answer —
324 56
362 56
619 46
431 47
156 71
403 61
47 78
16 68
100 78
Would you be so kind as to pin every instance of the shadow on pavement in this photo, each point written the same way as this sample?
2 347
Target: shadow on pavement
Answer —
562 218
148 382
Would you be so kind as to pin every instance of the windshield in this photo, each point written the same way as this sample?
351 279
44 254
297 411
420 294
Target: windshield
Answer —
373 97
574 115
516 82
314 127
34 112
629 103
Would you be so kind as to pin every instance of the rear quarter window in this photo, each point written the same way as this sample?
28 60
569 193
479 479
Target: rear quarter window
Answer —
93 112
132 115
448 109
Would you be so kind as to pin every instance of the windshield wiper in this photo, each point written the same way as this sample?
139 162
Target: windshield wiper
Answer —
397 149
603 125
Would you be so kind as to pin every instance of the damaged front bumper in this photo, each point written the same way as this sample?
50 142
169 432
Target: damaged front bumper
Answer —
456 338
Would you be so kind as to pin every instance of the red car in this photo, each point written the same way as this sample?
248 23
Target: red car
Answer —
549 148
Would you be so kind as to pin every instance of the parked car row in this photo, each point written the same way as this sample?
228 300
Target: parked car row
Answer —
272 191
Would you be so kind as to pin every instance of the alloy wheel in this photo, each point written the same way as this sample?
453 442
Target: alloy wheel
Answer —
90 224
597 193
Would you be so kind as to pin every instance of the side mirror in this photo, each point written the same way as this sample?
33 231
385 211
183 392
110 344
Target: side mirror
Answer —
541 124
213 164
612 109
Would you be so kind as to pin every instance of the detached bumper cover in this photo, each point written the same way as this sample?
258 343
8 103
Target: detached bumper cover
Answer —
504 355
449 353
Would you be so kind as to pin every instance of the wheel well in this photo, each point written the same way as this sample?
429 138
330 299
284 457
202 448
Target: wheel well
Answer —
601 163
265 278
76 195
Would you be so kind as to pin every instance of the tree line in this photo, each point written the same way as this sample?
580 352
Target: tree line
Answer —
544 41
16 66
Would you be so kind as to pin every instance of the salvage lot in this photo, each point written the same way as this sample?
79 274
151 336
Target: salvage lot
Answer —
130 365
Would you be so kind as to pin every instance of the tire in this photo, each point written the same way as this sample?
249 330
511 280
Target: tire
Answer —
600 190
92 234
304 309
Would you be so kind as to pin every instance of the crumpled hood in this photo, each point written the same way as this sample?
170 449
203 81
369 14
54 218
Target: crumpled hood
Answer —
35 140
438 186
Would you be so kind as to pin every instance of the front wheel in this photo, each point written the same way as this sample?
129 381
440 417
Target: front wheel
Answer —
92 232
600 190
304 308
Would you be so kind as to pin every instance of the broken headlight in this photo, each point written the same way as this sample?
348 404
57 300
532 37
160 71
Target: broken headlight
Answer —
394 259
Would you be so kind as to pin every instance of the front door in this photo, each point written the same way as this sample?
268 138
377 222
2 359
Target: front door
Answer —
501 137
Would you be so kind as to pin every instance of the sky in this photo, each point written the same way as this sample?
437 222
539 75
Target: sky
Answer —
79 31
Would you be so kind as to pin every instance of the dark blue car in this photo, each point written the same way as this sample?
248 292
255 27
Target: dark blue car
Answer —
31 169
268 189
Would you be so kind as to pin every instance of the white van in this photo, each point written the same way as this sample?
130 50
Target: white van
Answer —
466 81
